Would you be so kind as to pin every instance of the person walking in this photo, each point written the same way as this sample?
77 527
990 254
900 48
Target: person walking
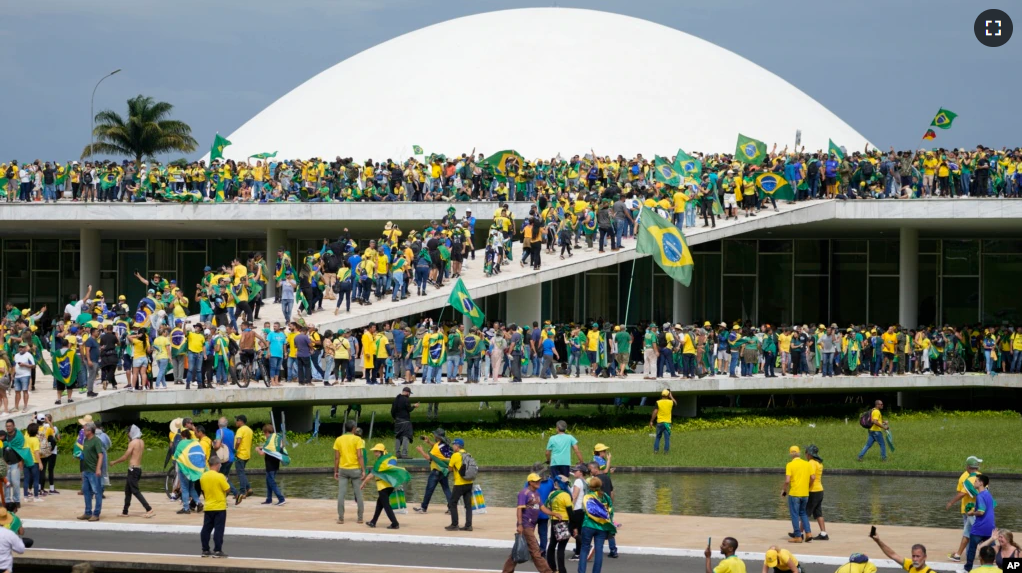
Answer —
214 489
383 487
876 432
223 446
401 411
463 478
349 469
985 523
662 416
558 451
558 506
814 507
796 488
136 448
527 512
597 524
92 474
731 563
272 467
965 493
439 458
242 453
917 563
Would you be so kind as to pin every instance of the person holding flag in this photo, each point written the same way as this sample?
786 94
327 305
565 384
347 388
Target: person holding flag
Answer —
388 476
191 465
275 454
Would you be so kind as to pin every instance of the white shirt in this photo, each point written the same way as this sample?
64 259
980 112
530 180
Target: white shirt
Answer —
582 490
23 364
25 175
73 309
9 543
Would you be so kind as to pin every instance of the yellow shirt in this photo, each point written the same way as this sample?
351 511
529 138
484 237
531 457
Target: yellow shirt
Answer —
560 505
214 489
292 349
435 451
196 342
348 447
368 344
730 565
816 468
32 444
160 346
455 465
206 444
664 408
785 560
688 347
342 348
181 308
679 201
784 342
929 165
967 498
592 341
799 471
240 270
890 339
878 421
1016 341
137 348
243 443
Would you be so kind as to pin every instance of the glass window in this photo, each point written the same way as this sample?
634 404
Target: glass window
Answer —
961 257
107 284
739 257
641 307
70 275
132 244
775 246
811 301
927 290
563 294
848 289
706 288
929 246
812 257
739 300
1002 274
162 255
1005 246
108 255
45 254
663 299
883 301
774 288
70 245
710 247
960 299
46 290
16 245
849 246
192 245
17 285
883 257
601 297
249 247
223 251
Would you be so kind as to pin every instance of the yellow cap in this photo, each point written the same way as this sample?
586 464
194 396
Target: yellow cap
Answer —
122 297
600 448
736 327
794 450
771 558
706 324
99 294
379 448
533 477
665 393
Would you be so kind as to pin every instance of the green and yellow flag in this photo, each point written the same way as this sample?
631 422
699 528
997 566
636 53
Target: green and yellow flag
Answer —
659 238
274 447
943 119
386 469
191 459
687 165
66 363
216 151
834 150
664 172
462 302
776 186
263 155
417 150
498 161
750 151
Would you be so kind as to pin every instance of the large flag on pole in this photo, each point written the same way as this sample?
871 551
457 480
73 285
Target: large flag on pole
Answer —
834 150
943 119
498 161
687 165
664 172
216 151
659 238
462 302
750 151
776 186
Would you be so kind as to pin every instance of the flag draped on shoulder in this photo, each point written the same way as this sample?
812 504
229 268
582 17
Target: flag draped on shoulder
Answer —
661 239
66 363
665 173
462 302
436 350
750 151
386 469
274 447
775 185
191 459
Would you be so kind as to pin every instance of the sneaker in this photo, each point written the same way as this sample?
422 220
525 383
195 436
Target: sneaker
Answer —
466 528
419 510
394 526
951 556
822 537
219 555
612 555
270 502
281 502
451 528
206 554
183 511
573 557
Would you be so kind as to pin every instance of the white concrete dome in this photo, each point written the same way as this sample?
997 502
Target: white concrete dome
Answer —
541 81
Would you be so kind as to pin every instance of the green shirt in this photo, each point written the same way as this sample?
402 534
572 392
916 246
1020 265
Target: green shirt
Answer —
624 342
649 341
91 450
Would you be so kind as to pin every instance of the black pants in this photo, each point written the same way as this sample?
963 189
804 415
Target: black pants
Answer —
461 493
576 526
108 375
536 247
555 551
49 463
707 211
304 370
796 363
383 505
243 307
131 489
213 521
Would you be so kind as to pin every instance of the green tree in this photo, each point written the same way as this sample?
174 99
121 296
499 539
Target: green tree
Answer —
146 132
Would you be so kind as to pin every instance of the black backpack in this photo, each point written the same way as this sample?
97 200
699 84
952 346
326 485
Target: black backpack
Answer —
866 419
87 178
11 172
867 169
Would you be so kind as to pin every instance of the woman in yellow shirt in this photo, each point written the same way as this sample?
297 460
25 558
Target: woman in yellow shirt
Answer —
558 506
32 472
139 342
342 353
383 488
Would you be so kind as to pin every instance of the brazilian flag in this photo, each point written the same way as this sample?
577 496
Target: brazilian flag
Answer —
687 165
386 469
417 150
66 363
216 151
661 239
264 155
834 150
191 459
274 447
473 346
943 119
776 186
665 173
750 151
436 350
462 302
498 161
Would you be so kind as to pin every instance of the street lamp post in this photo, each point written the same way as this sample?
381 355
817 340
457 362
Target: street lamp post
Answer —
92 114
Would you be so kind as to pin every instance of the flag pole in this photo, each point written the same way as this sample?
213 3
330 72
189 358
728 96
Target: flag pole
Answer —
628 303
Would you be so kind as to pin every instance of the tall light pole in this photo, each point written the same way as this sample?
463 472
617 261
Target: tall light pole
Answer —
92 114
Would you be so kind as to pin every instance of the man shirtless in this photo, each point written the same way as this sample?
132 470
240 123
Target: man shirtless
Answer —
136 447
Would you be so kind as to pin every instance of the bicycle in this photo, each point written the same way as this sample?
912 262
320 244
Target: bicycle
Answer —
247 368
954 363
170 485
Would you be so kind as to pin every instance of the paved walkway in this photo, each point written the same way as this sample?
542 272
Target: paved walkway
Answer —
679 536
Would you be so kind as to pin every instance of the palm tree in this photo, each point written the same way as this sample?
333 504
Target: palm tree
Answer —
146 132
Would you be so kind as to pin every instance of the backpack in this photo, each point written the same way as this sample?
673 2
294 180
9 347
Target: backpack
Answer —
867 169
469 469
866 419
11 172
45 448
336 287
87 178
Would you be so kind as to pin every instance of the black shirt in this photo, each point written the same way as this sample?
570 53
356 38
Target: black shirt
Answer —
401 409
272 463
608 484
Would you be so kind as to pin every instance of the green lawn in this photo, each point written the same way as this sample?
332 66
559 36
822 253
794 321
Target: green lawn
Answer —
928 441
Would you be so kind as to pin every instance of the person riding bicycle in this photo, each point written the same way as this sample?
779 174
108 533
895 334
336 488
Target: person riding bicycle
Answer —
247 343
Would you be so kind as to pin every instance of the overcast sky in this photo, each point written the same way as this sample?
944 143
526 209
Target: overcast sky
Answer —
884 67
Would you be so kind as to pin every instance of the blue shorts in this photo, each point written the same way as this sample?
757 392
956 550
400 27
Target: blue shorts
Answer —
21 383
139 362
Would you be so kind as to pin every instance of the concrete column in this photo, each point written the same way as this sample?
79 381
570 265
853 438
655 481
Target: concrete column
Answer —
275 238
682 304
686 407
90 252
297 418
908 279
524 306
